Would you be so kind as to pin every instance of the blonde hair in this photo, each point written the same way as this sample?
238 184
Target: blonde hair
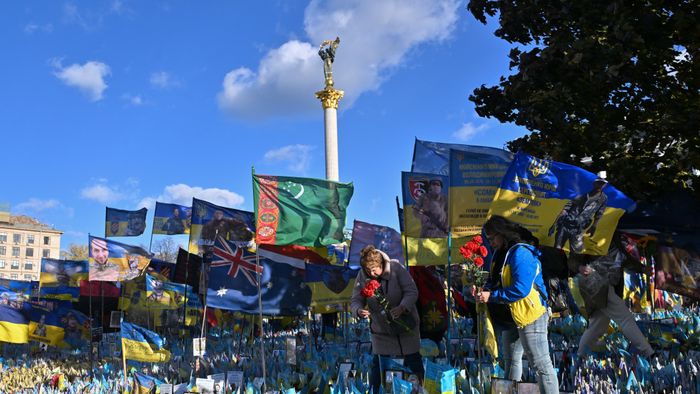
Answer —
370 257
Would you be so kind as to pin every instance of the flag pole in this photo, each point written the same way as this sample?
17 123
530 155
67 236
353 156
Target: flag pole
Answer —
262 337
448 348
126 382
403 233
259 276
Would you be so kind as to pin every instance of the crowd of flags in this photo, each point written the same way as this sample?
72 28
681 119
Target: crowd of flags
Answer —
290 254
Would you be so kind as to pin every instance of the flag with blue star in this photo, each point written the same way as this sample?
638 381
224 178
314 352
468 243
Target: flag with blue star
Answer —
233 282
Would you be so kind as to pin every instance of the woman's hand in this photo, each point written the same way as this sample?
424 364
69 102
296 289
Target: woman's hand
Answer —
473 291
398 311
363 313
483 296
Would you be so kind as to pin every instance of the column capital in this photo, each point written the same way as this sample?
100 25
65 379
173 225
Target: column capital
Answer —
329 97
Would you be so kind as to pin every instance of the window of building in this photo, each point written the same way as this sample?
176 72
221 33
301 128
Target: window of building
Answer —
17 238
13 276
3 250
15 264
28 265
3 238
28 276
2 263
30 239
46 253
15 251
29 252
47 240
2 275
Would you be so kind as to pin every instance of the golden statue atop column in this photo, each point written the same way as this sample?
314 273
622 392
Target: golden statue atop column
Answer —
330 97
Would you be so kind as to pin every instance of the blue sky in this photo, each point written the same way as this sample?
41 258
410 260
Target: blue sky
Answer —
121 103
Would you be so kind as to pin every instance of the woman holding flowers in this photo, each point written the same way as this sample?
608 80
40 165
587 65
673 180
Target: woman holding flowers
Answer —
385 292
522 289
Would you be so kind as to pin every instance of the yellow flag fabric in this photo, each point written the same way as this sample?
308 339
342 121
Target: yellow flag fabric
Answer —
488 335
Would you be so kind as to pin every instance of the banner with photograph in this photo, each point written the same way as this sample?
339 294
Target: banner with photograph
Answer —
563 205
172 219
123 223
114 261
210 221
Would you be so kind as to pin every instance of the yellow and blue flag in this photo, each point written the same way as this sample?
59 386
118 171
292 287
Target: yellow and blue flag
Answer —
474 179
330 284
60 279
114 261
210 221
172 219
383 238
425 219
48 321
434 157
141 344
123 223
161 294
564 206
144 384
14 307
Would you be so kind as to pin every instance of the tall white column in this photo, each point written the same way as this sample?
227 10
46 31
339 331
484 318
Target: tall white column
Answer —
329 100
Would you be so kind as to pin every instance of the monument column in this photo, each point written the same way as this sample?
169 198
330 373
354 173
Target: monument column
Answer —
330 97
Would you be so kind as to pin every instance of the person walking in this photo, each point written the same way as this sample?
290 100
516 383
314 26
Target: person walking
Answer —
522 289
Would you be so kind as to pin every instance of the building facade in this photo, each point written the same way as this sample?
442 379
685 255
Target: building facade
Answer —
24 241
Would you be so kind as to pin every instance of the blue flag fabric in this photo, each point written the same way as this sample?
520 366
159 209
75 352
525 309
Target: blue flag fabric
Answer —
60 279
122 223
383 238
563 205
14 308
434 157
233 282
172 219
210 221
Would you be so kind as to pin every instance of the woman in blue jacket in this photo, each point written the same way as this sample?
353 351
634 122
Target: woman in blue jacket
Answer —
522 289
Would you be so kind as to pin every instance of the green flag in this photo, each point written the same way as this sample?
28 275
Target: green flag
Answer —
299 211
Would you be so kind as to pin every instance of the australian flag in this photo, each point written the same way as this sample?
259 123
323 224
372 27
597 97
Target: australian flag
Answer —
233 282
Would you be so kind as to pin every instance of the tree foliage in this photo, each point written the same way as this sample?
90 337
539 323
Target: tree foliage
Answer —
166 249
617 81
75 252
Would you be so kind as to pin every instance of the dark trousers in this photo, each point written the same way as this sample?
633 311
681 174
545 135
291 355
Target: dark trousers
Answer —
414 362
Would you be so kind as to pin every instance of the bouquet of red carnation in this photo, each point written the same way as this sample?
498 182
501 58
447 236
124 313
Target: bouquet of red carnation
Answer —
399 325
474 253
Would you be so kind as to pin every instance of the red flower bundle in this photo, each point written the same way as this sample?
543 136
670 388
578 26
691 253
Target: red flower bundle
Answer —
474 253
370 287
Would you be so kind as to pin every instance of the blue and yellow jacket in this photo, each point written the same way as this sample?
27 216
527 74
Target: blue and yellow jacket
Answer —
523 287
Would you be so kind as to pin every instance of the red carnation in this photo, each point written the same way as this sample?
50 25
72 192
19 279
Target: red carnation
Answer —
478 239
472 246
374 284
478 261
466 253
483 251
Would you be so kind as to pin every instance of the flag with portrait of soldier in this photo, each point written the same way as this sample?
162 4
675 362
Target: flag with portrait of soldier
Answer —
210 221
563 205
123 223
172 219
114 261
60 279
425 214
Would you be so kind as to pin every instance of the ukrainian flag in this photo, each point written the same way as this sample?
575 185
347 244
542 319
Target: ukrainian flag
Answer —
144 384
14 326
141 344
14 302
45 322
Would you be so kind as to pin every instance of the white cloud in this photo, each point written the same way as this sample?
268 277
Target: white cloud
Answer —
375 37
468 130
102 193
297 156
136 100
162 79
31 28
89 77
37 205
182 194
